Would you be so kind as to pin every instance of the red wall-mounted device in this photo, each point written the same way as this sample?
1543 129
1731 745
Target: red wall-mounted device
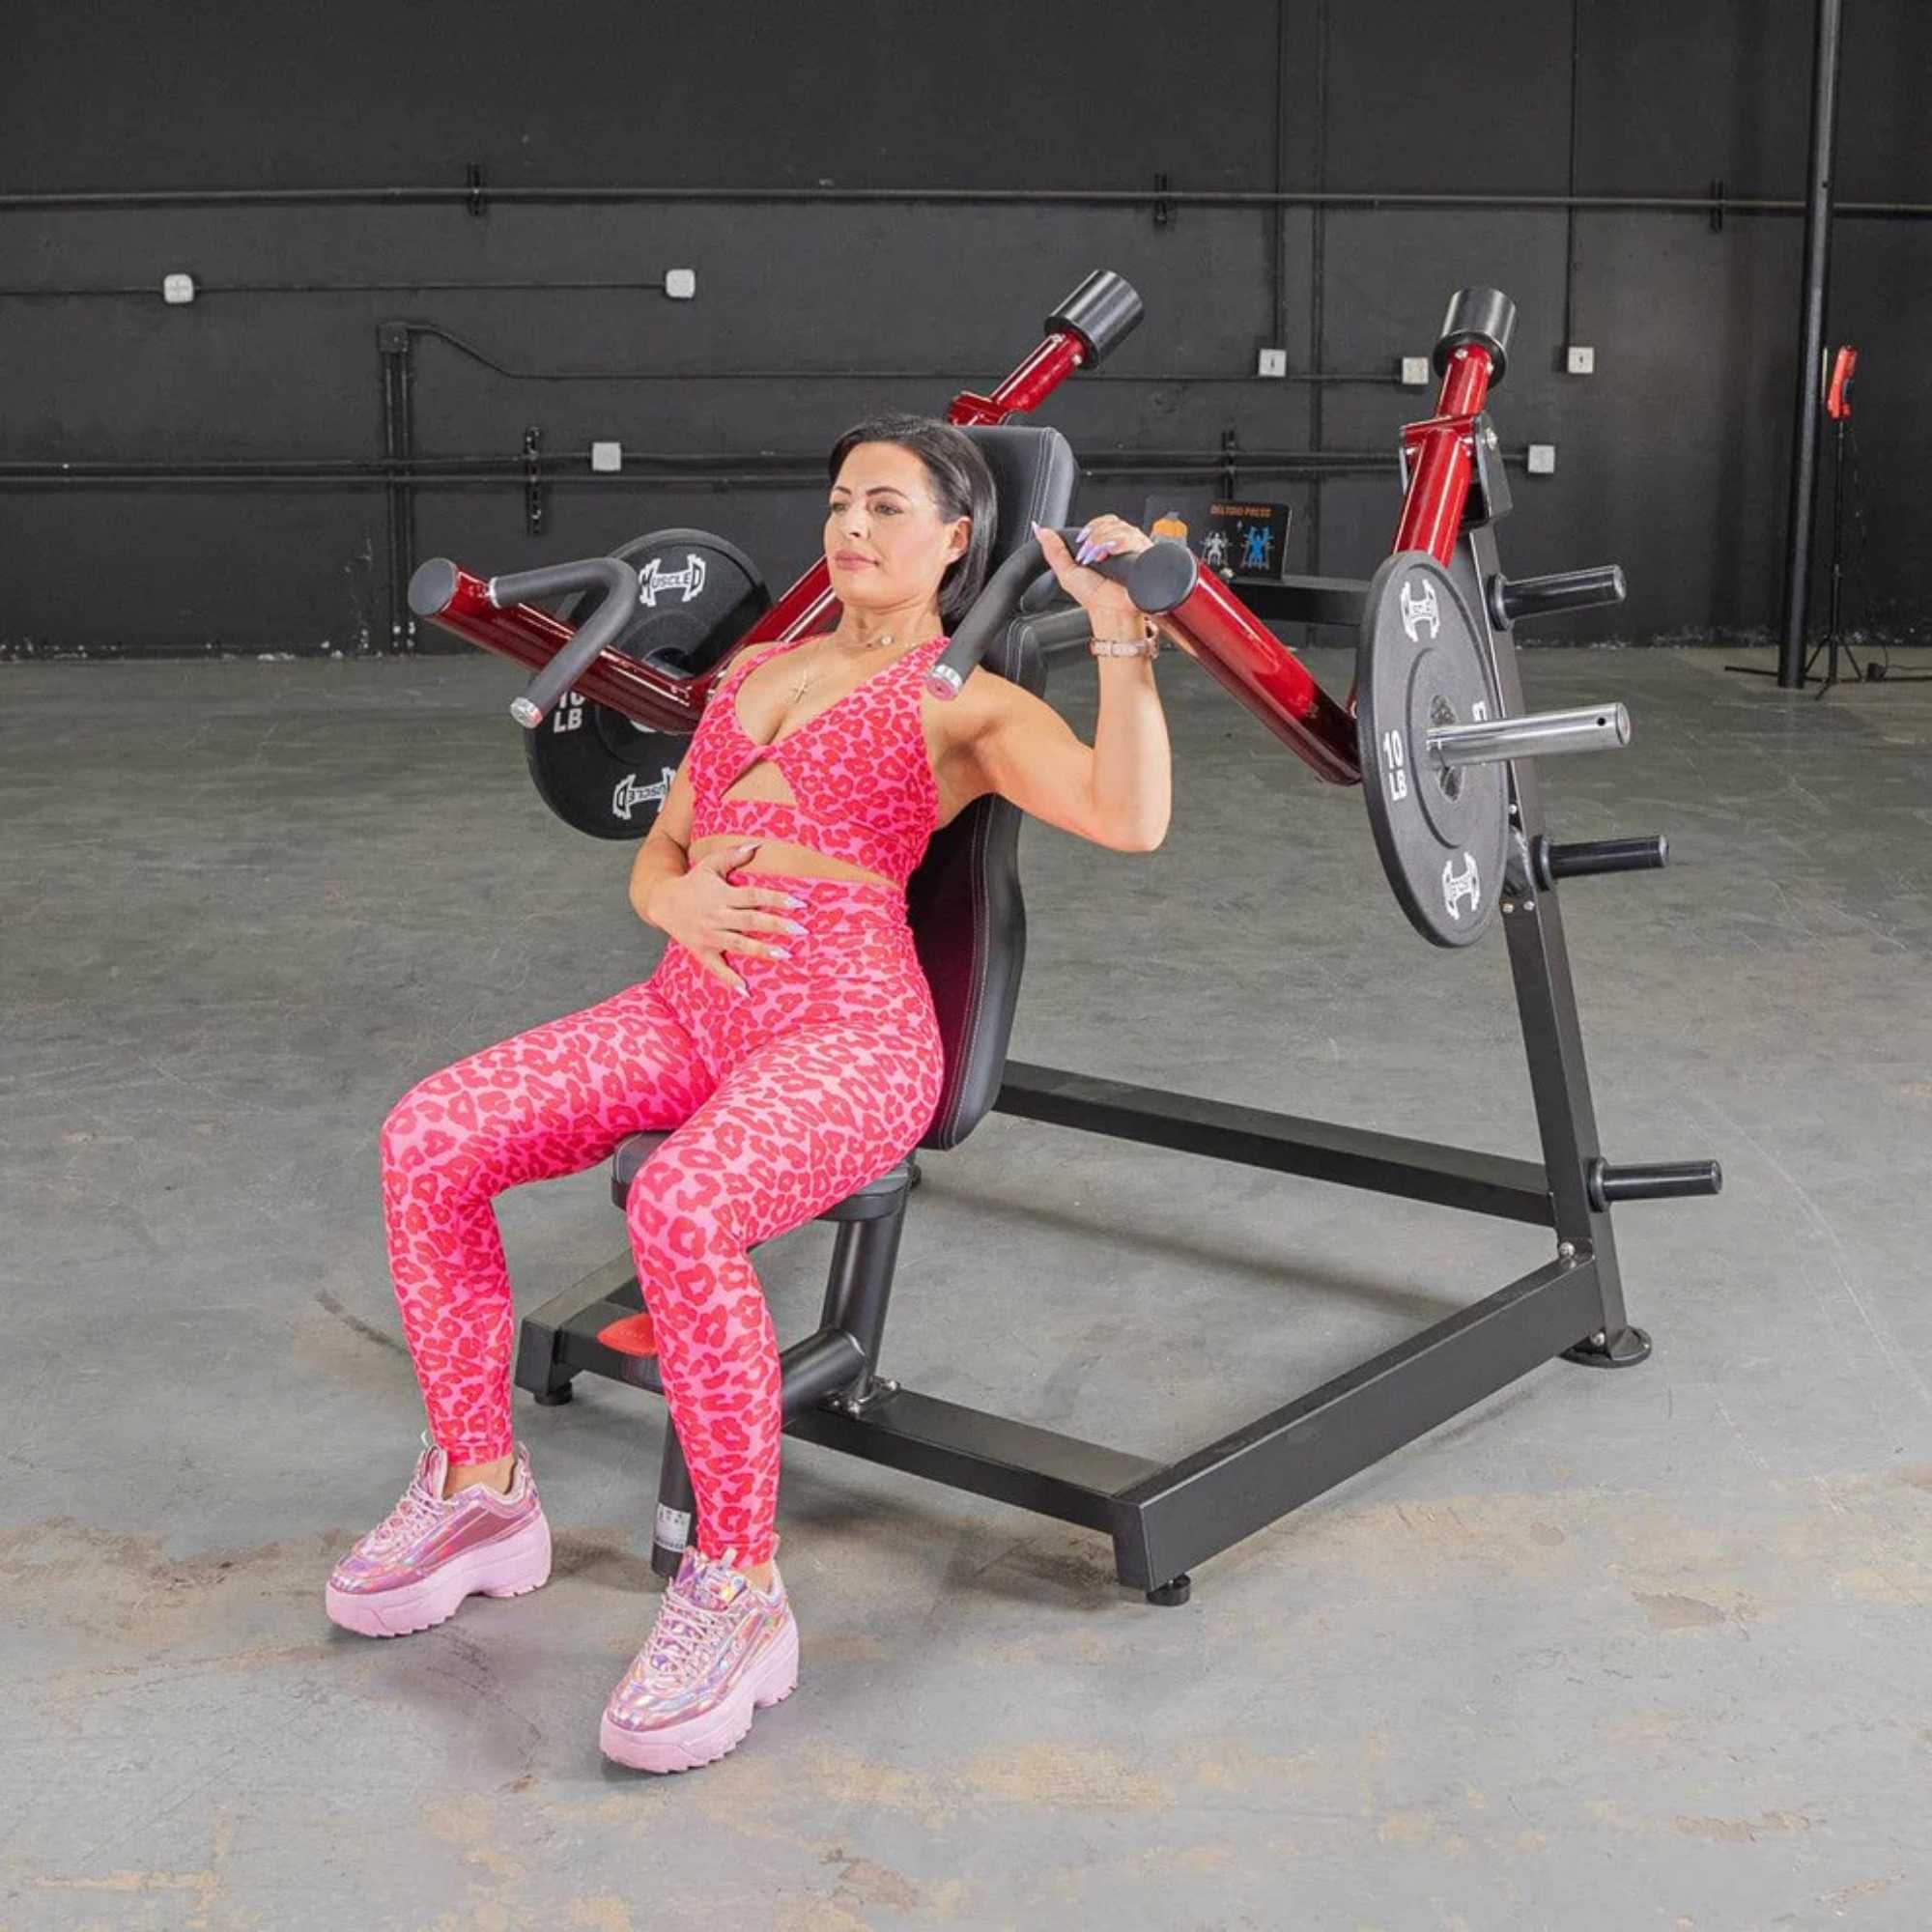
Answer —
1838 396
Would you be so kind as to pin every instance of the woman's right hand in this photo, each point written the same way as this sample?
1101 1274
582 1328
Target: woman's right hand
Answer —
709 916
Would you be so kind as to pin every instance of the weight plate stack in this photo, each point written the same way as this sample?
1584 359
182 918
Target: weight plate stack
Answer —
696 596
1441 831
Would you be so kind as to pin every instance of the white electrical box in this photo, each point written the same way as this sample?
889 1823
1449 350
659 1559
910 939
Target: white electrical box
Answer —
606 457
1272 363
177 289
1542 459
680 284
1583 360
1415 372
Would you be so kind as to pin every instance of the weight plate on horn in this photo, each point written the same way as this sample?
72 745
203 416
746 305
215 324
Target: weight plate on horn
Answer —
696 596
1441 831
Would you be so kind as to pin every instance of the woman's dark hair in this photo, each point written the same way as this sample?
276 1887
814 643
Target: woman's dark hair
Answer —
962 485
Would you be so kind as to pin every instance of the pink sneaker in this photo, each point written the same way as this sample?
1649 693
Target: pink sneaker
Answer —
415 1567
720 1651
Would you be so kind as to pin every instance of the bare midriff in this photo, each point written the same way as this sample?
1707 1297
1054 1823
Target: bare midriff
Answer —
762 781
798 861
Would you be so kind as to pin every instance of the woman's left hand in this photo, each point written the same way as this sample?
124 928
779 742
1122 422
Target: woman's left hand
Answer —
1102 536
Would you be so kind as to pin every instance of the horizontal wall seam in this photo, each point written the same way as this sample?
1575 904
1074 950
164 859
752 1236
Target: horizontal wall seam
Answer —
82 200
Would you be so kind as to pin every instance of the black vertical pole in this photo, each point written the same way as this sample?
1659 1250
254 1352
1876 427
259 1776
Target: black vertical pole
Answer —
392 343
406 444
1811 345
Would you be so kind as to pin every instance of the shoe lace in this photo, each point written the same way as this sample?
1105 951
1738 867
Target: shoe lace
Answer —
685 1635
415 1513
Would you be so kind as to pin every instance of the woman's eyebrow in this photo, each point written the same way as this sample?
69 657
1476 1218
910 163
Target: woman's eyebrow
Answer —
877 489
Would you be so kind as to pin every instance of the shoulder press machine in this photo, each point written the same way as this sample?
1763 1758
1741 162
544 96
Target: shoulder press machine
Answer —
1436 732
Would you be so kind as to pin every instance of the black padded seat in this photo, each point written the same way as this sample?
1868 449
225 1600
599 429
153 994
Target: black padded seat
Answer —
963 904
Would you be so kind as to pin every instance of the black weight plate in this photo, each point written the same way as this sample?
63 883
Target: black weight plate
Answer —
1441 834
696 596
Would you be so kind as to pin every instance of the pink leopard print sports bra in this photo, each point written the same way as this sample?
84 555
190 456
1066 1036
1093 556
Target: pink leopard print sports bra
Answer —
858 770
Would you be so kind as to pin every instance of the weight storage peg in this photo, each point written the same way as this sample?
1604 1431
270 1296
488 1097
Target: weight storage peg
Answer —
1517 601
1549 863
1651 1180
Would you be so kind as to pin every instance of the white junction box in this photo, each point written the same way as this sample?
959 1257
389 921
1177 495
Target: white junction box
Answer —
680 284
606 457
1271 362
1542 459
1581 361
1415 372
177 289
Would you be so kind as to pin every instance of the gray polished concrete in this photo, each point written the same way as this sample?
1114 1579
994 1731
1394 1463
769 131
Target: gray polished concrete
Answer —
1611 1651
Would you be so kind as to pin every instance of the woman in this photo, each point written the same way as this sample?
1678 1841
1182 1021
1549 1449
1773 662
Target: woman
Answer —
788 1035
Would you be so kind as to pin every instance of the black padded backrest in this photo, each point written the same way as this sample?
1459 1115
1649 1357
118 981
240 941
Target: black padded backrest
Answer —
964 904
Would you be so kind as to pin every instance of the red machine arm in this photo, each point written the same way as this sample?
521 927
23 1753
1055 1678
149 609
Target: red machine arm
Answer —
1079 334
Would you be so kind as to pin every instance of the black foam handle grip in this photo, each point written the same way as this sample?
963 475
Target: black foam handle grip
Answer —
1596 855
1532 597
1652 1180
1103 312
1007 591
1162 576
617 583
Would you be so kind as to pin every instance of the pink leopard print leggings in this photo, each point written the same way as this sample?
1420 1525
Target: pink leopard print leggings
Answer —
785 1100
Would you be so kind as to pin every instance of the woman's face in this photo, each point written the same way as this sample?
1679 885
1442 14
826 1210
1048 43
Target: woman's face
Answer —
886 543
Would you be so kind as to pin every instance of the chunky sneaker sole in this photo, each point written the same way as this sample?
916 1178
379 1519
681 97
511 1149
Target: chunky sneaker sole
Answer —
416 1565
707 1737
513 1566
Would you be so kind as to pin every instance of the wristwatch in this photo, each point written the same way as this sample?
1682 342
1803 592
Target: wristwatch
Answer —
1146 645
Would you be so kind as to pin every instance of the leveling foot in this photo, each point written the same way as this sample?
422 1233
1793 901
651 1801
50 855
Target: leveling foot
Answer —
1171 1594
1624 1350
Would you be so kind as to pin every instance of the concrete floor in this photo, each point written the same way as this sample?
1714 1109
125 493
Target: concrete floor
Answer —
1612 1651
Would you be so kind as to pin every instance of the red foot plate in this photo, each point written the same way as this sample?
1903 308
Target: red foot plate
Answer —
632 1336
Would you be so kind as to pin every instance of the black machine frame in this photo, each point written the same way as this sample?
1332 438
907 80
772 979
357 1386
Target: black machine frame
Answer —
1164 1518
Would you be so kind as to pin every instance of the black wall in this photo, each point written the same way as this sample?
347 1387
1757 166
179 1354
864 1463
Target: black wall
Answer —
1671 459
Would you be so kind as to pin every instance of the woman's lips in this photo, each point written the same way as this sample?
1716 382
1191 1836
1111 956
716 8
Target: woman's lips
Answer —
852 562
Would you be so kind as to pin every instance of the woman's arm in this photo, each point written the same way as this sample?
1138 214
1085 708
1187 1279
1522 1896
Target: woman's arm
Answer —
1117 791
663 855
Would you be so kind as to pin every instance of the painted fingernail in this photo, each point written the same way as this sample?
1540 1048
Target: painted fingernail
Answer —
780 952
792 925
796 903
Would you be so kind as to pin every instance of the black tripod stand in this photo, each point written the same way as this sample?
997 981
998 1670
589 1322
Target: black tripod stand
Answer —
1839 407
1831 643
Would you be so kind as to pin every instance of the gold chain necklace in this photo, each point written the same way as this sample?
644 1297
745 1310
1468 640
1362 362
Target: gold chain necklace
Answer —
806 677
